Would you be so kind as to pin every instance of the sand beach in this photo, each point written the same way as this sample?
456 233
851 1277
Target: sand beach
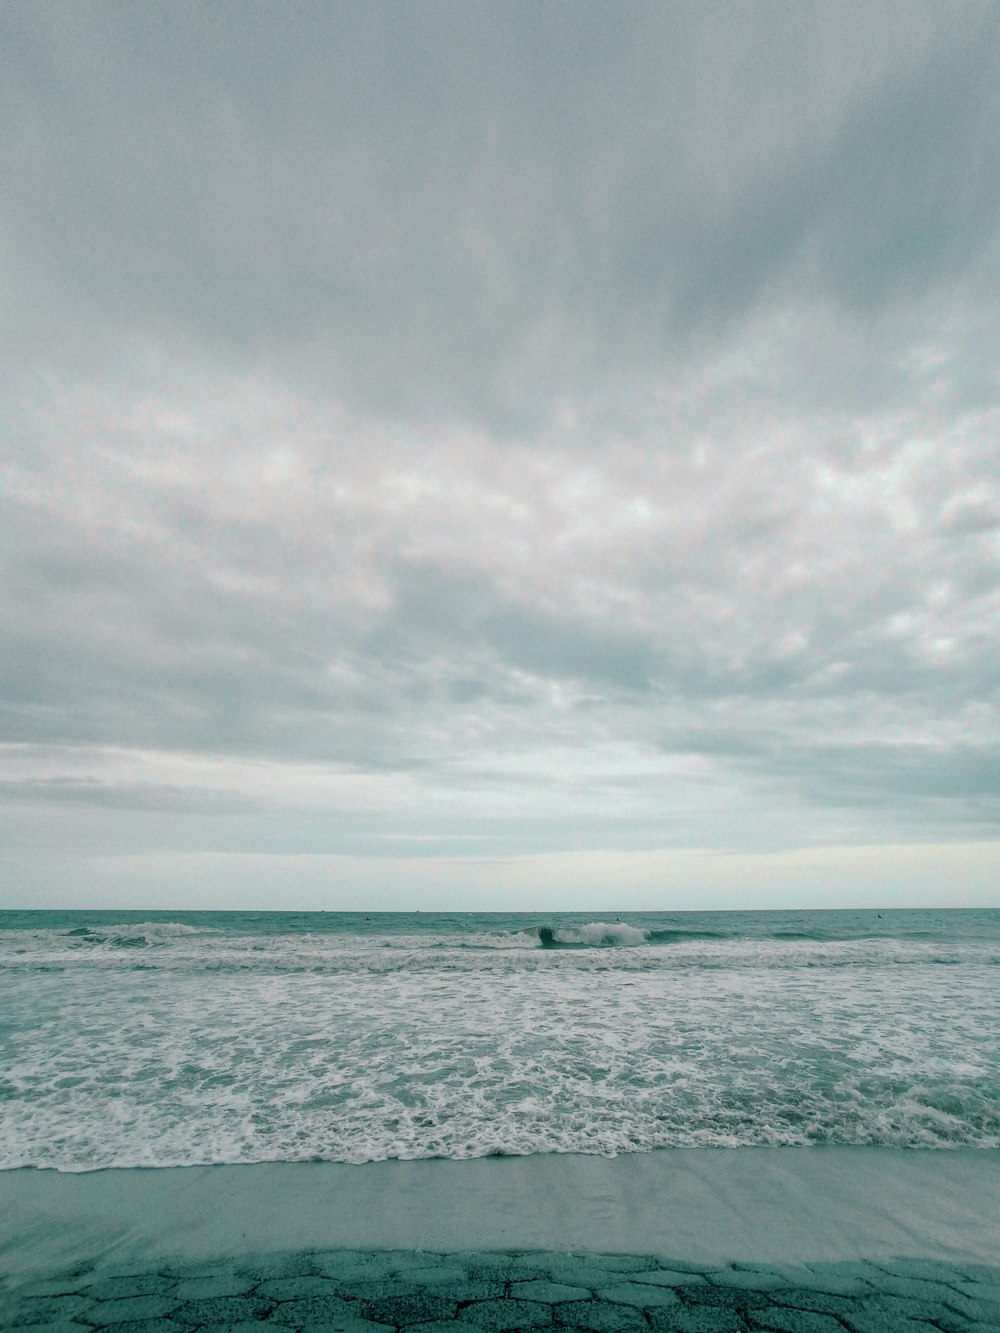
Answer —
810 1239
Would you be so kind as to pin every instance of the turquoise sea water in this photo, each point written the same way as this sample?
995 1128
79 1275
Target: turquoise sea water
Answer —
173 1038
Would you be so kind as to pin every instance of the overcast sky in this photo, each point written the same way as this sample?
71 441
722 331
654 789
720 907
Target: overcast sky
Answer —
471 455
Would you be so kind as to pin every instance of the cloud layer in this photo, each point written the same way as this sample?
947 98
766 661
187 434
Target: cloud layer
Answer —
474 432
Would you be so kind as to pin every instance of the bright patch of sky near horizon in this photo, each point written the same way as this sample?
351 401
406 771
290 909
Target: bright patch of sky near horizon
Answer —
448 446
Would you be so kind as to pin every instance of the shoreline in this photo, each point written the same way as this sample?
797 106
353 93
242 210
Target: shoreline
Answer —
702 1205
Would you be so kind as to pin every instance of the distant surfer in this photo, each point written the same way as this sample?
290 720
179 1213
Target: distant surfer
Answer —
547 936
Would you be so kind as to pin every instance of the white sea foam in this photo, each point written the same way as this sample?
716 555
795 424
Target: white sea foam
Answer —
225 1047
204 1047
149 932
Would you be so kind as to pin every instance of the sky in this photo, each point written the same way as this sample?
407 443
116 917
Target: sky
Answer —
473 455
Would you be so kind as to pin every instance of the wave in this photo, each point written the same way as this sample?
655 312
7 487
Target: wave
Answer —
124 936
620 934
594 935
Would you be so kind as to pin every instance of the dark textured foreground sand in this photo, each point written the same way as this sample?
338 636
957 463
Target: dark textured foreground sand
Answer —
372 1291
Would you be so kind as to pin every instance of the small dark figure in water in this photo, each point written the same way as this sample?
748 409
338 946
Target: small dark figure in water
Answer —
547 935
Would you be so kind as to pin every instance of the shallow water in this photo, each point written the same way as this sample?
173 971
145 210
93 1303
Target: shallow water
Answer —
188 1038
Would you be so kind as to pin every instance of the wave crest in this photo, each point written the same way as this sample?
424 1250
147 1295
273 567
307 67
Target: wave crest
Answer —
593 935
125 936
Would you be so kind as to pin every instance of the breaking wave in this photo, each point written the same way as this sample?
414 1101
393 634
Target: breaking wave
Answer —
126 936
594 935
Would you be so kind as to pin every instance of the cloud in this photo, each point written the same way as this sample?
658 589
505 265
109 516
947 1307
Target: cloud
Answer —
126 796
547 429
454 211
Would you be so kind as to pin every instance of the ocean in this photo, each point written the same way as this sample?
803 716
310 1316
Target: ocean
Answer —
182 1038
